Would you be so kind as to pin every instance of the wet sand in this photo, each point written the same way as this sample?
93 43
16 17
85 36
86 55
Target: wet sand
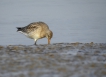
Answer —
55 60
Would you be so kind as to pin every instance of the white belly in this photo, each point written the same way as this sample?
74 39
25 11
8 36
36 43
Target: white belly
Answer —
31 35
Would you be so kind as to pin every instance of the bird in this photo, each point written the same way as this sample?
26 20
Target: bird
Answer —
36 30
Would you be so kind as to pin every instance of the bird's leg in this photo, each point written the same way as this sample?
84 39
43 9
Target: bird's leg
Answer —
35 42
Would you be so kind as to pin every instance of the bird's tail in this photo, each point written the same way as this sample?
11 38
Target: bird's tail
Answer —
19 29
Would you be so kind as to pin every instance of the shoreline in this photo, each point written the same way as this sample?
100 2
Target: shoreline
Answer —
55 60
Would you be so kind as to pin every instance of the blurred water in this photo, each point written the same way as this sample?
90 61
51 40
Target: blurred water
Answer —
70 20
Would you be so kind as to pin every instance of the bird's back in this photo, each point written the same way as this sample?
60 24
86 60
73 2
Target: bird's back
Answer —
34 30
33 26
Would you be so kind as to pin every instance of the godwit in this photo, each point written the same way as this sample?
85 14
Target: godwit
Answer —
36 30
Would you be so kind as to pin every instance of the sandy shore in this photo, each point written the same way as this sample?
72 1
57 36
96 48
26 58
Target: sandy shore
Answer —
55 60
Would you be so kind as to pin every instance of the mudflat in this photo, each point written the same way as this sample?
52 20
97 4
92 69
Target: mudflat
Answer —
55 60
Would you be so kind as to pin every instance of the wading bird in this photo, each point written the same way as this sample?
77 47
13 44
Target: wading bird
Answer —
36 30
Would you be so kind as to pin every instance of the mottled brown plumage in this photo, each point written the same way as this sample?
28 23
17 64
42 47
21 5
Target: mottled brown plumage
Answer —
36 30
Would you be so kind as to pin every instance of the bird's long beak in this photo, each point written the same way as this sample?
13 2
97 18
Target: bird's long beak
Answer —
48 41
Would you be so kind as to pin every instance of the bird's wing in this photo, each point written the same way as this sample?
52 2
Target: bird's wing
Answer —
30 28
